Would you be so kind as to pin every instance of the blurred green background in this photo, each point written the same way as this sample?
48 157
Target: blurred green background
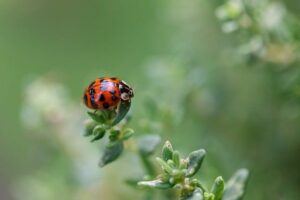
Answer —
235 97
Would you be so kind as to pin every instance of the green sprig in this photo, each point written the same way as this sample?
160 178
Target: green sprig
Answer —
108 122
178 172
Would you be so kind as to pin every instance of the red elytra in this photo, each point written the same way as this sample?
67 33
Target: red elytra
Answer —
106 93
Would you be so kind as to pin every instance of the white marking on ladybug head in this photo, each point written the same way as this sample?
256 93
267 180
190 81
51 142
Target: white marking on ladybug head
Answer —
125 96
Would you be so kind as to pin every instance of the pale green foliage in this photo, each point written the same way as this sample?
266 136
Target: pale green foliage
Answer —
177 173
106 121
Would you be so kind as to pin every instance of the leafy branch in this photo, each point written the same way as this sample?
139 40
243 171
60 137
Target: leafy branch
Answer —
176 172
108 122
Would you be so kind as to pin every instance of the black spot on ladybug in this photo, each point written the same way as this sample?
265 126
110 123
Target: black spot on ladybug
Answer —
92 91
113 97
105 105
93 103
101 97
113 78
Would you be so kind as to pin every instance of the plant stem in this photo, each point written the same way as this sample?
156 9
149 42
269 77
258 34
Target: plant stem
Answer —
148 165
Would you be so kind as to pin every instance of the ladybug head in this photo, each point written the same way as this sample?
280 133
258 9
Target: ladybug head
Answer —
126 91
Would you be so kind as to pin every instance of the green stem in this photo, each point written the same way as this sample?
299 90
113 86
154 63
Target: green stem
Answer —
148 165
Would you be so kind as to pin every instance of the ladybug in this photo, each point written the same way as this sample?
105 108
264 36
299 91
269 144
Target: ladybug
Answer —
106 93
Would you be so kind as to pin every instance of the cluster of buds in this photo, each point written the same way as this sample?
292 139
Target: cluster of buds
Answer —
178 173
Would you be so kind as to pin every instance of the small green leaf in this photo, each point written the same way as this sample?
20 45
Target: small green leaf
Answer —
194 162
209 196
98 132
111 153
236 186
171 163
114 135
148 143
218 188
96 116
122 111
167 151
115 132
127 133
196 195
167 168
98 136
159 184
89 127
176 159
